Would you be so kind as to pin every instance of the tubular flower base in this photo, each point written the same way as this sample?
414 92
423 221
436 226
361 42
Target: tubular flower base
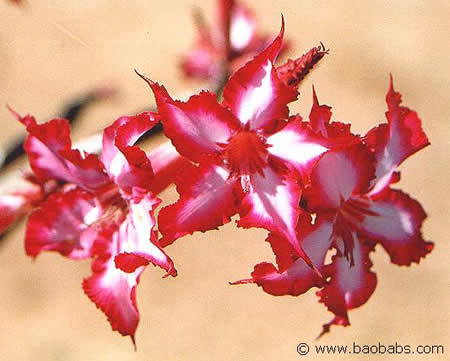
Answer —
317 188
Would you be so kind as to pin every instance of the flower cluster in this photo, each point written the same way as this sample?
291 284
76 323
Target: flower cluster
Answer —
315 186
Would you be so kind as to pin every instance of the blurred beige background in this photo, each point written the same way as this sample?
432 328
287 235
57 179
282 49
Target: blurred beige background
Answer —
53 50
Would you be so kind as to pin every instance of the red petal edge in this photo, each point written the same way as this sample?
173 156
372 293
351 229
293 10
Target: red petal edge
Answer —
350 286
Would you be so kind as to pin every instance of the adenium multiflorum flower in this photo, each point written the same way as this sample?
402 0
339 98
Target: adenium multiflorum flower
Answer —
101 208
315 186
249 158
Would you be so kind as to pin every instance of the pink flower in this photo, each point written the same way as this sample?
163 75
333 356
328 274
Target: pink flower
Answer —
249 159
103 209
355 210
229 42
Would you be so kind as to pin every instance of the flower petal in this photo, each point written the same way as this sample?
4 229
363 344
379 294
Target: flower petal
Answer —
130 242
138 239
207 201
337 134
197 126
273 203
126 163
319 116
61 224
350 286
294 276
112 290
338 175
49 150
297 145
255 94
397 226
166 163
242 28
395 141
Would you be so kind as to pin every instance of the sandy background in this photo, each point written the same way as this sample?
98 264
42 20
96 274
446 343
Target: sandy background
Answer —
53 50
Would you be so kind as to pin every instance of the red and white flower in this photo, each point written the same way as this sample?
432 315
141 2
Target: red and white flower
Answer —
103 208
249 158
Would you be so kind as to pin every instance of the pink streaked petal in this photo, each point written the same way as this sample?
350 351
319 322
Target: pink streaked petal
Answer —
49 150
242 28
338 175
139 245
131 238
394 142
207 201
126 164
112 290
350 286
255 94
397 226
197 126
285 254
273 203
166 163
294 276
61 224
297 145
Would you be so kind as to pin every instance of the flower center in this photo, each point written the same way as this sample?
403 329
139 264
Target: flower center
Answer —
246 153
348 220
111 207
